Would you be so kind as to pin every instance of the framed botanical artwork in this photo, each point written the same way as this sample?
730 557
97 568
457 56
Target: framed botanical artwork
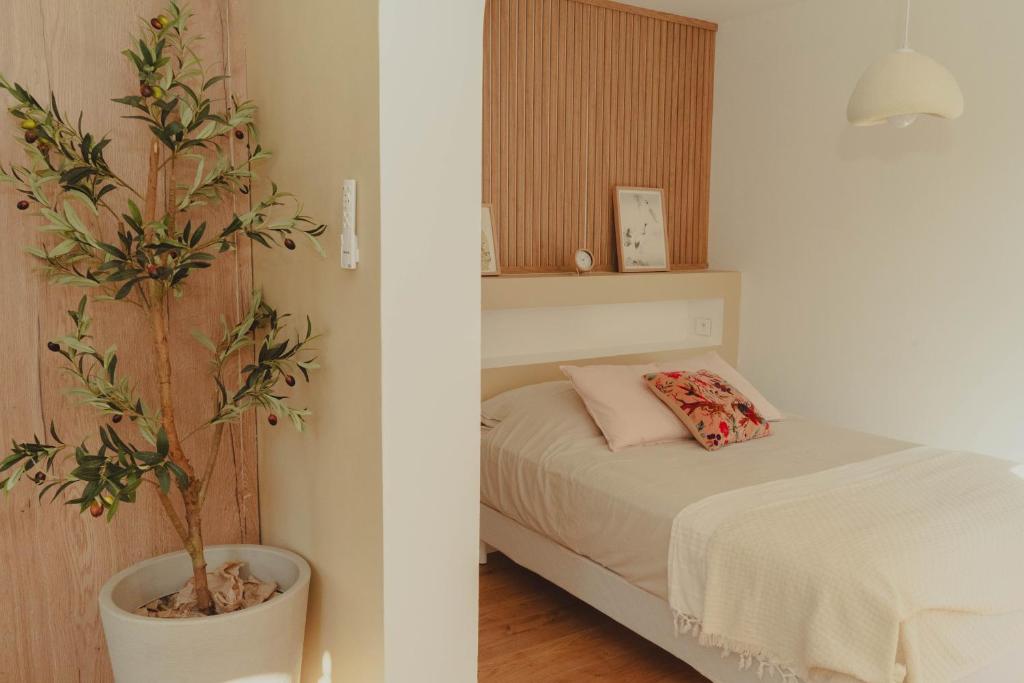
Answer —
641 237
488 243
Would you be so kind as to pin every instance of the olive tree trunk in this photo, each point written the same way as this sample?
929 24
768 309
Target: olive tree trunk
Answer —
192 532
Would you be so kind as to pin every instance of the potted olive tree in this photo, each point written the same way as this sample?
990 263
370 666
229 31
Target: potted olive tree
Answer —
140 248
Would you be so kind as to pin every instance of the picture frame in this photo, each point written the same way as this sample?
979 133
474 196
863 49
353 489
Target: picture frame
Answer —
489 262
641 237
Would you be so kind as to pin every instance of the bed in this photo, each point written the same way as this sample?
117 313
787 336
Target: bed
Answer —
599 524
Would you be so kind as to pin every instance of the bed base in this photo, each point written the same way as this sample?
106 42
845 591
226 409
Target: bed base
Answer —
641 612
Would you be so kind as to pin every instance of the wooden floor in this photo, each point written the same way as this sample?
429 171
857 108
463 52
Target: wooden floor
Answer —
531 630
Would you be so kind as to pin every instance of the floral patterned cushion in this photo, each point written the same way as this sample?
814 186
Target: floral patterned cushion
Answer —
711 408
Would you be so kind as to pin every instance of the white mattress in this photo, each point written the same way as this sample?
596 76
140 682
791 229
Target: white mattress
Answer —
545 465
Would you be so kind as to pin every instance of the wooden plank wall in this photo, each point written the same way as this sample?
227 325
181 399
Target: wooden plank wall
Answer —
53 560
581 96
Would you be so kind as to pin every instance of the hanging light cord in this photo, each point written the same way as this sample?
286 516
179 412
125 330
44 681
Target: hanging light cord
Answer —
906 29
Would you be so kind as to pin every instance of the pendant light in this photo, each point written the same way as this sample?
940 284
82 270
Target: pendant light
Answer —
902 86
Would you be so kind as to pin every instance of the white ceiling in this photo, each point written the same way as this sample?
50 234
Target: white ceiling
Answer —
711 10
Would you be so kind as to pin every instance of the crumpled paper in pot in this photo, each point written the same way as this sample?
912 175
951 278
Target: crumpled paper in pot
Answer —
229 590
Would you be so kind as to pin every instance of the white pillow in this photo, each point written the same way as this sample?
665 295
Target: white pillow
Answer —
537 411
712 362
624 409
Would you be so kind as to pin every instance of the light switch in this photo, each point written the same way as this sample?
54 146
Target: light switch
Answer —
702 327
349 241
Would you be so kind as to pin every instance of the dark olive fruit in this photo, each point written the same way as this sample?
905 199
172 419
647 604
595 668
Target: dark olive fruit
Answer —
146 90
239 135
289 243
289 380
53 346
22 205
39 477
96 509
30 136
156 23
272 419
117 417
173 254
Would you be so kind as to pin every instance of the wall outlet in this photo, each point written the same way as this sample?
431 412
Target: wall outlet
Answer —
702 327
349 240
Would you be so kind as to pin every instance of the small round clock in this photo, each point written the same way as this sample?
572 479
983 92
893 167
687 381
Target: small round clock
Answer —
584 261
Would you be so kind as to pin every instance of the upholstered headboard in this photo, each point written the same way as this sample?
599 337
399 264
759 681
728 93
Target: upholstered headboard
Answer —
532 324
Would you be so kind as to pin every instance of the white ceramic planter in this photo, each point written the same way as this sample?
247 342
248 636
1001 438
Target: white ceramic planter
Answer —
261 644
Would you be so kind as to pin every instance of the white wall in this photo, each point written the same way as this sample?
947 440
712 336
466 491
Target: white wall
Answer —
430 127
882 267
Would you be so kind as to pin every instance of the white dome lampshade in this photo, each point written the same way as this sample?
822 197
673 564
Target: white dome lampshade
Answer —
902 86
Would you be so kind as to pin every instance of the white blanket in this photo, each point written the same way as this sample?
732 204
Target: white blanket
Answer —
908 566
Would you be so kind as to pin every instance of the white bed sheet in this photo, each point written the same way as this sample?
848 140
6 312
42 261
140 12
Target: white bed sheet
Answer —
545 465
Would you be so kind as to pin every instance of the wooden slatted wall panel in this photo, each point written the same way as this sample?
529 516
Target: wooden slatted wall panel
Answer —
581 96
54 560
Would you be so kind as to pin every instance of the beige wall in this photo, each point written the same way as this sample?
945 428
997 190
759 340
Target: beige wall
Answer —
881 267
382 494
313 69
